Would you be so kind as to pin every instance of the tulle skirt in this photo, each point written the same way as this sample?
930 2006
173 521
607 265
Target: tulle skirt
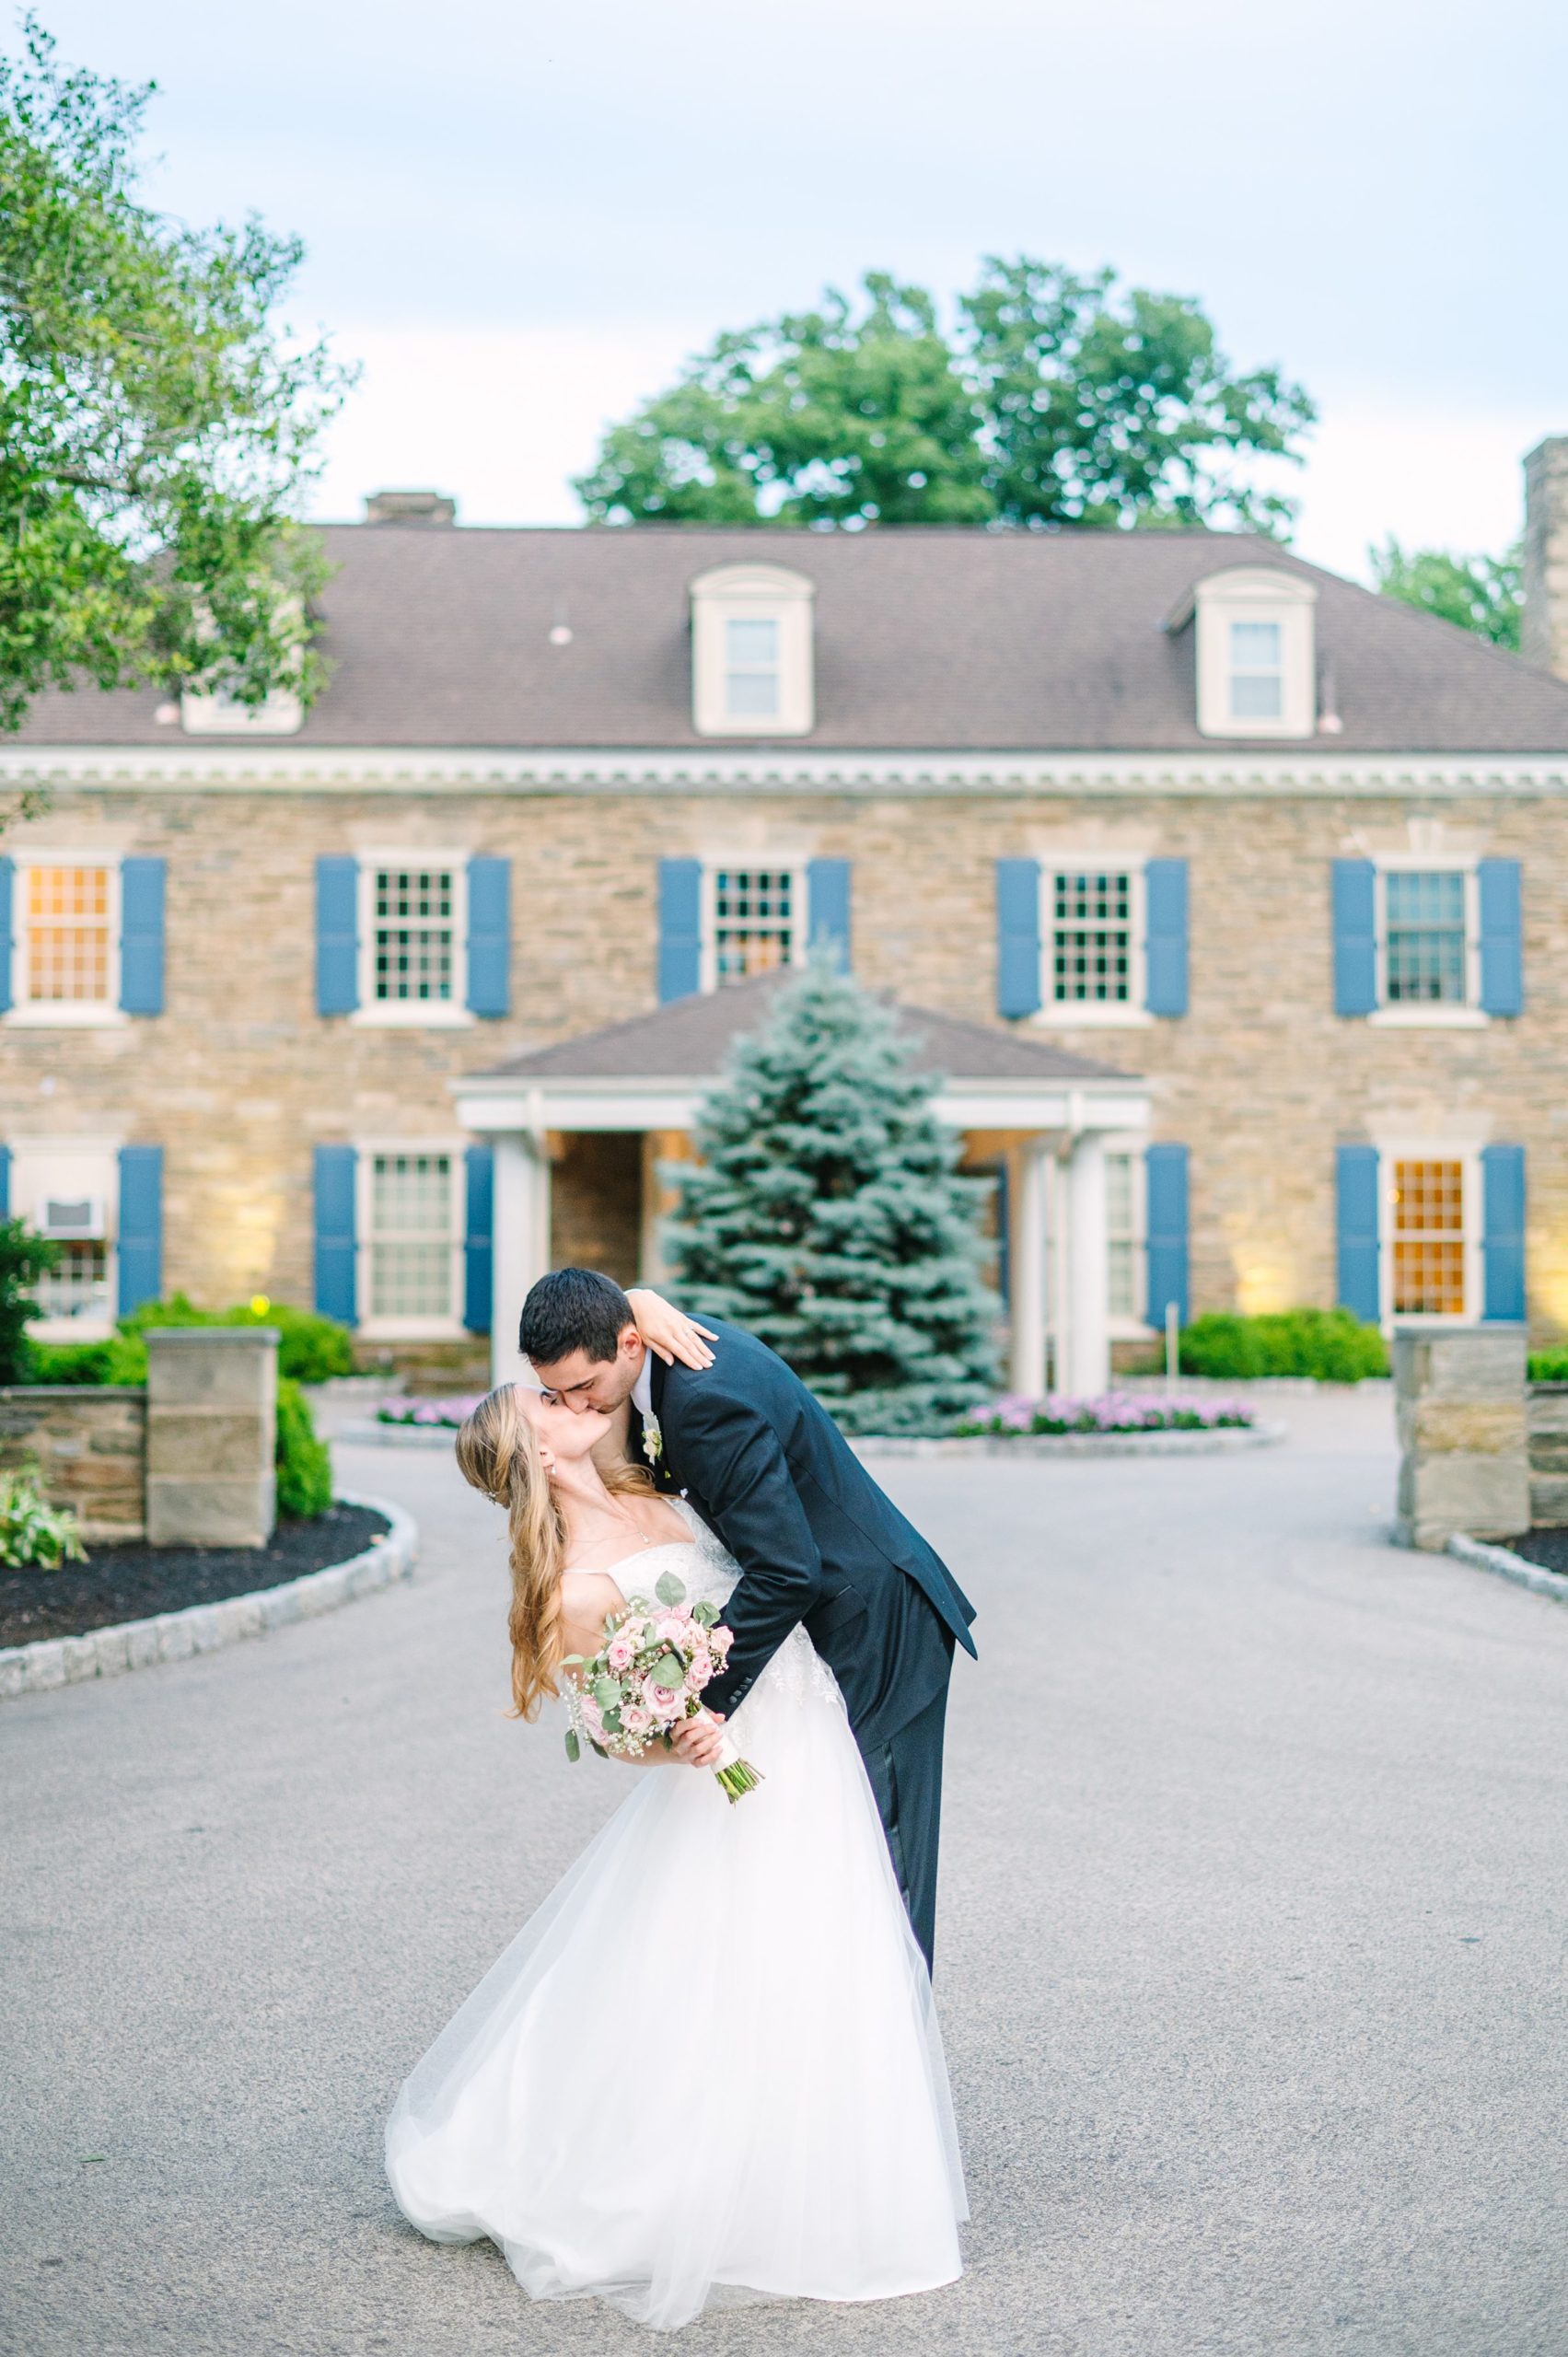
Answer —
709 2068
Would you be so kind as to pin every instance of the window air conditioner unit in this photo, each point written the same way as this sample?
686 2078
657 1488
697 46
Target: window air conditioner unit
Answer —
73 1219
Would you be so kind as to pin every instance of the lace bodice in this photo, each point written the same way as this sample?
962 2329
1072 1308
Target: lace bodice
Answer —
708 1571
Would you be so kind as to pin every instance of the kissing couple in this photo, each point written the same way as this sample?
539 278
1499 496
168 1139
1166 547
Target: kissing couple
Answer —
708 2070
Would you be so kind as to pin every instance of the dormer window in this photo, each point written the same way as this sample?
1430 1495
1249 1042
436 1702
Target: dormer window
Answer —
752 669
1256 657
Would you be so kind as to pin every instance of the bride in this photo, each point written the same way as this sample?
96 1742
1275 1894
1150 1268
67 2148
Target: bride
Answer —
708 2070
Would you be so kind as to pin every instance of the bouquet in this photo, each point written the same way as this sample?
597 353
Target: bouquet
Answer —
647 1677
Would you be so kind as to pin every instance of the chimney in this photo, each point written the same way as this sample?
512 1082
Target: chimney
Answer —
411 507
1545 631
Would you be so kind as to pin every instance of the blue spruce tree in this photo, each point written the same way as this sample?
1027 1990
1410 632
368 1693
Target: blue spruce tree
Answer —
826 1217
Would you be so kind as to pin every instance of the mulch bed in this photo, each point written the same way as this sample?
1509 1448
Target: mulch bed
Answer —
132 1581
1549 1548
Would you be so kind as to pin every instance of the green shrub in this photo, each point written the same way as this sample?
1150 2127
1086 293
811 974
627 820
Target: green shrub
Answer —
31 1530
1548 1366
1330 1344
310 1347
304 1463
23 1257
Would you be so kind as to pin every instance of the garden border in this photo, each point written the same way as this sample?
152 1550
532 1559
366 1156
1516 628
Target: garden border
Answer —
1504 1564
1207 1441
53 1662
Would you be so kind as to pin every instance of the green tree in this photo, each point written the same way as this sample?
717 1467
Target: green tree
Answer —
155 423
827 1215
24 1259
1483 593
1053 402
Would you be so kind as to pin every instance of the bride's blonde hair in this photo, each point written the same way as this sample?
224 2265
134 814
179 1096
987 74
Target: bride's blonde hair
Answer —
498 1453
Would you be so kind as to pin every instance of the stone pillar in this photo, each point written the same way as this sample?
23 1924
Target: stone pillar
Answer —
1460 1402
1544 637
212 1435
1026 1256
522 1245
1087 1370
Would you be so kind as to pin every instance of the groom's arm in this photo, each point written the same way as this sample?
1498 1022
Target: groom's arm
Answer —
746 1484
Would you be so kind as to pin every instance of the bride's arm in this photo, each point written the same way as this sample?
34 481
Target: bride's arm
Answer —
668 1333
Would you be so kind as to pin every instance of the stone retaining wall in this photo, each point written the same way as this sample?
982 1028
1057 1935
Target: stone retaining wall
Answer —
90 1446
1460 1404
1547 1418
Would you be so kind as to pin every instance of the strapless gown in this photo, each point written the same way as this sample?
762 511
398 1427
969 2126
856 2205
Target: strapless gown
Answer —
708 2070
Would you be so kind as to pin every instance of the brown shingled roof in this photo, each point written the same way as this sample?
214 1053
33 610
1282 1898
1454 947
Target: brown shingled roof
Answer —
960 640
689 1039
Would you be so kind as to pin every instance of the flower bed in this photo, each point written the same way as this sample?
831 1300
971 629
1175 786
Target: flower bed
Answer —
1113 1412
449 1413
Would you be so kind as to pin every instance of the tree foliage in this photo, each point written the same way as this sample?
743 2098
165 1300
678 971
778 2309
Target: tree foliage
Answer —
827 1215
155 423
1054 400
1483 593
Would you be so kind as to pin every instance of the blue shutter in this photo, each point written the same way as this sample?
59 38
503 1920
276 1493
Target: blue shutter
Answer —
479 1163
1355 936
490 936
337 935
1502 948
141 935
1165 1173
1502 1230
7 875
827 907
1356 1190
139 1245
1017 937
5 1182
680 928
1165 902
335 1240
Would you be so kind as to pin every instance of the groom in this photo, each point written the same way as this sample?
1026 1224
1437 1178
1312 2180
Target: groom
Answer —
818 1543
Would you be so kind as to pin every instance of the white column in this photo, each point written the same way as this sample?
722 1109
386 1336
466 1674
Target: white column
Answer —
1088 1323
1025 1248
522 1245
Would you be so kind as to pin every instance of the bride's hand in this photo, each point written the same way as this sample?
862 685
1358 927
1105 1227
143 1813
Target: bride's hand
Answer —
668 1333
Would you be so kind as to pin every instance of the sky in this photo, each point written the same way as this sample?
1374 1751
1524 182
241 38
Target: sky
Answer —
520 219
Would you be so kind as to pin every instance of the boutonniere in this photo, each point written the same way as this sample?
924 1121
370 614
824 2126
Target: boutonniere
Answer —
653 1439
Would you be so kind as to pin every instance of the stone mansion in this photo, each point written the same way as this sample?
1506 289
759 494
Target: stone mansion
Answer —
1229 901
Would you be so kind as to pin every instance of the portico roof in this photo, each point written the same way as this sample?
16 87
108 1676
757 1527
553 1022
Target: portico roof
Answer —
652 1070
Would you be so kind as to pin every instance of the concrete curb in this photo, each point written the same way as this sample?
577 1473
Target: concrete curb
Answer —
203 1628
1507 1565
1217 1441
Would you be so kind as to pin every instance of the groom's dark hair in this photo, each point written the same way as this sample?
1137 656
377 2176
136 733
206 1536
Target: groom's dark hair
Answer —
573 1309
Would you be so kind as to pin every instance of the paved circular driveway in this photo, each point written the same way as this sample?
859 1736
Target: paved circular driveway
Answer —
1251 1958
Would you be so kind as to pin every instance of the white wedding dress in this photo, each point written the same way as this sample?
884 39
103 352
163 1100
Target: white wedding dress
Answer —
708 2070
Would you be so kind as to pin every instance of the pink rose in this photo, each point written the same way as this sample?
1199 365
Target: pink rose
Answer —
673 1630
636 1720
620 1654
660 1700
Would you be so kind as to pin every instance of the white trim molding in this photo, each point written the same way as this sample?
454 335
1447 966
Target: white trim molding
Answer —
420 1015
752 668
445 1329
26 1014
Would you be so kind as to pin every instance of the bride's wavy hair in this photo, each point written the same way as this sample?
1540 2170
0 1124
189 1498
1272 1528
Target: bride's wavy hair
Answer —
498 1453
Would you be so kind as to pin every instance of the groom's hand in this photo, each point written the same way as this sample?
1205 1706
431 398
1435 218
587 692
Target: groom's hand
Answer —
700 1741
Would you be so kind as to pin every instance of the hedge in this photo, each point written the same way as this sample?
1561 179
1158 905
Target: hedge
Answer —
1330 1344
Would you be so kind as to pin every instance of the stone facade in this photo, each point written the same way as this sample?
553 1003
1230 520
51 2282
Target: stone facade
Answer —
1459 1403
240 1078
89 1445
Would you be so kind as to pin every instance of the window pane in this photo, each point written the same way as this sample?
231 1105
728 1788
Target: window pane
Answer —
753 921
751 694
1424 913
1091 939
1429 1238
78 1285
413 1259
1121 1290
1255 646
413 935
67 935
1255 695
751 646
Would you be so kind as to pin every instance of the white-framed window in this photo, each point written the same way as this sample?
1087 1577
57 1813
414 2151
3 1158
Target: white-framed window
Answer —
211 712
1256 652
1093 921
752 652
69 1189
411 1209
1126 1237
754 919
413 938
1432 1225
1428 917
65 918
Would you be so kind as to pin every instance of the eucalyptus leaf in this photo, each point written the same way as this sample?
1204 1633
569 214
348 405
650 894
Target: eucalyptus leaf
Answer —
670 1590
669 1671
706 1613
598 1747
606 1692
572 1661
611 1720
574 1748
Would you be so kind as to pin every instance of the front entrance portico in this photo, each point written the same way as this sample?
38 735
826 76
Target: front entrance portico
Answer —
1034 1115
